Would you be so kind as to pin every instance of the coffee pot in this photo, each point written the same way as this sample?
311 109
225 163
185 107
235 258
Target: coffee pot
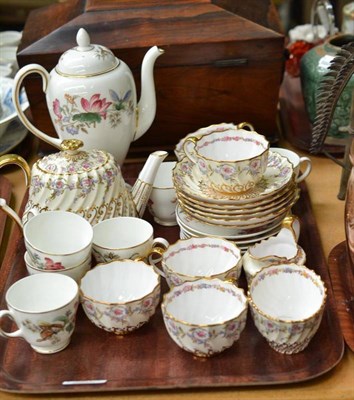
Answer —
91 96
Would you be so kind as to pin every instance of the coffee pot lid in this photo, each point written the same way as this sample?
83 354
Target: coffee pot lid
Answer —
86 59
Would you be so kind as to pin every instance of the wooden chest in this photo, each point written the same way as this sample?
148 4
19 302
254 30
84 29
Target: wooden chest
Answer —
219 65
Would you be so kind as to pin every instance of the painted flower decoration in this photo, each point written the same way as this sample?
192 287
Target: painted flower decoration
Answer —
56 109
51 265
96 105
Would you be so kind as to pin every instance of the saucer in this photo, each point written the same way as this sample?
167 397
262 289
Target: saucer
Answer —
189 180
13 136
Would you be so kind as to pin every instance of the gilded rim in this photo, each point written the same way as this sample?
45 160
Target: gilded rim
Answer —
289 321
88 75
195 139
216 280
227 243
106 303
48 311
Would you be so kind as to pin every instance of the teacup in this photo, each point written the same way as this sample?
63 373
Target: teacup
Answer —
163 199
279 249
55 238
120 296
287 303
191 259
233 160
44 309
76 272
297 161
205 317
123 238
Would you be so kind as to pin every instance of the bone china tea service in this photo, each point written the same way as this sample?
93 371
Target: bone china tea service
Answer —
91 96
192 259
124 237
44 309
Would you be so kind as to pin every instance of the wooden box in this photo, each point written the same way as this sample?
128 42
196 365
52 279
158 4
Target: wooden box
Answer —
219 65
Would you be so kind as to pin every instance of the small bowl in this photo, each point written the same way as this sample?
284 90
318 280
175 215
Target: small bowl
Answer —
8 110
205 317
204 257
279 249
120 296
287 303
76 272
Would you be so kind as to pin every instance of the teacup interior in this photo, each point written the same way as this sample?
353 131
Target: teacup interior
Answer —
205 305
42 292
119 282
201 257
231 145
287 293
121 232
58 232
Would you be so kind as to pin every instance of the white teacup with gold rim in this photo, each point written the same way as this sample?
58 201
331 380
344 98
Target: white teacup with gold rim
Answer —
188 260
44 309
205 317
233 160
123 238
287 303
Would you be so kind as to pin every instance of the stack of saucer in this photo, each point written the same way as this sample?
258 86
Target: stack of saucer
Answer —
246 217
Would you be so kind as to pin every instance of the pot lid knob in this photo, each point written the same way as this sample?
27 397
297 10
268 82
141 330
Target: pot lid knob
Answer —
86 59
71 144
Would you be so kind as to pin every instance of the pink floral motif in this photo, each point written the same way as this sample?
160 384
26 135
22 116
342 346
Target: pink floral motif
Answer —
51 265
96 105
56 109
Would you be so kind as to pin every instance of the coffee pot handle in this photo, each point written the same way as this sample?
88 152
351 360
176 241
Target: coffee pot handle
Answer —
8 159
20 76
10 212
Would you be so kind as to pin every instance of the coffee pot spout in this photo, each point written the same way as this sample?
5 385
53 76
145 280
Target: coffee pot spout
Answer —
147 102
142 188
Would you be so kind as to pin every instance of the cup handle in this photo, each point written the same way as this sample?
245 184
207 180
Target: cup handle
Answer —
8 313
243 125
159 246
10 212
308 167
191 154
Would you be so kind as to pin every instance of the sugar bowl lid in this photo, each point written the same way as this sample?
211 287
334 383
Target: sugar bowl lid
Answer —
72 161
86 59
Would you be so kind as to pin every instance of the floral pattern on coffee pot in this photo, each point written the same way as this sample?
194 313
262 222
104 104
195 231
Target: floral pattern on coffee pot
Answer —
91 96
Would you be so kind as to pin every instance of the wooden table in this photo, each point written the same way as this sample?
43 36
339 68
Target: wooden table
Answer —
338 383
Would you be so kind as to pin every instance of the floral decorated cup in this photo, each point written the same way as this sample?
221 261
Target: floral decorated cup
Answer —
124 237
279 249
191 259
44 309
233 160
205 317
76 272
58 239
120 296
287 303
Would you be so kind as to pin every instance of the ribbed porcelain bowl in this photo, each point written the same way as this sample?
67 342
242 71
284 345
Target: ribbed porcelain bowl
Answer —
287 303
120 296
196 258
205 317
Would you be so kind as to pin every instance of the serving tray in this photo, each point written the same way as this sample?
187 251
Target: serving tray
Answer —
148 359
342 278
